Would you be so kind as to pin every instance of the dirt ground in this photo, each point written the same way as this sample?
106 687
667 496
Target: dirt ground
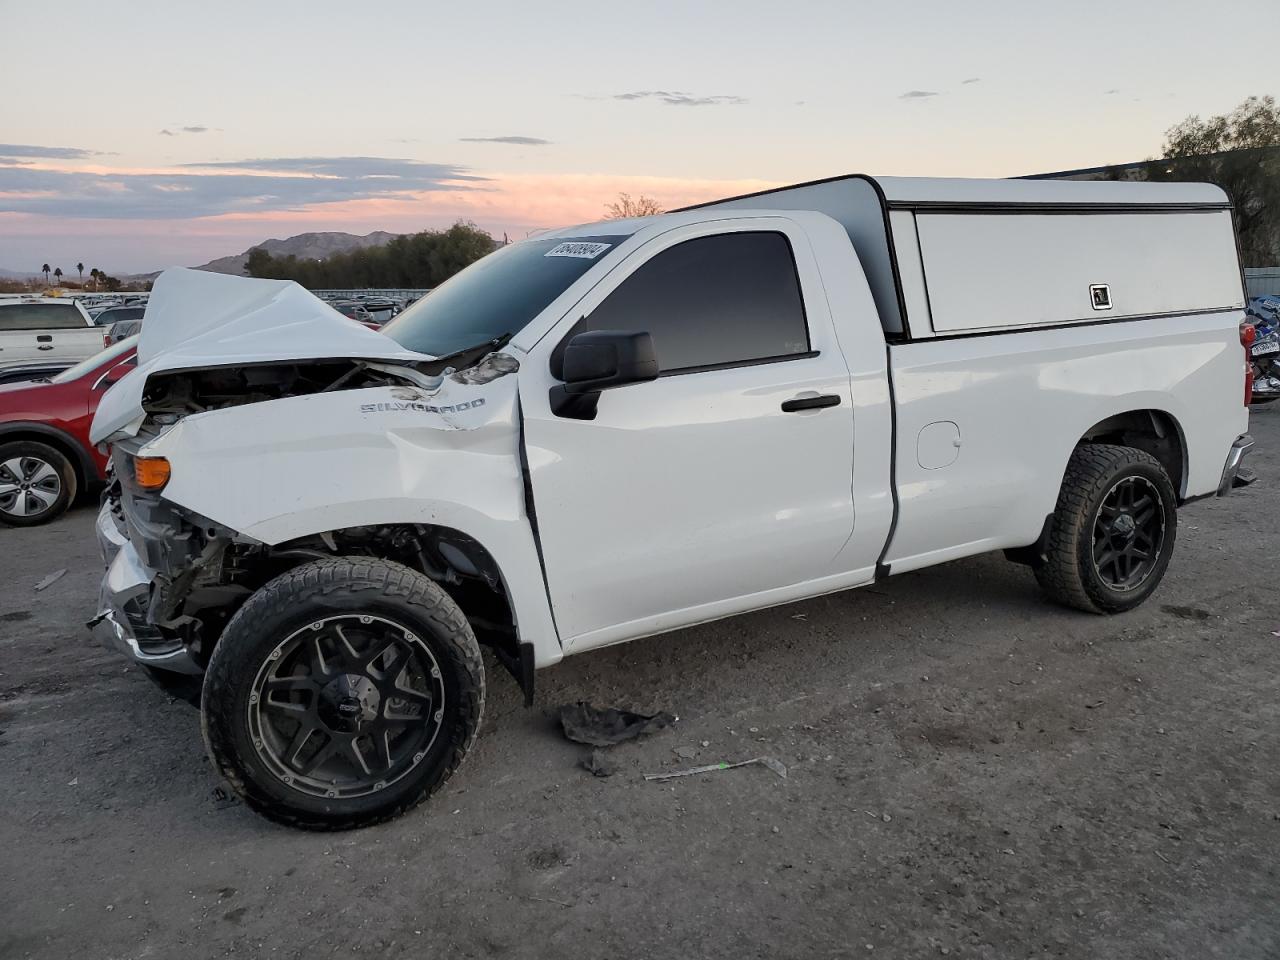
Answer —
971 772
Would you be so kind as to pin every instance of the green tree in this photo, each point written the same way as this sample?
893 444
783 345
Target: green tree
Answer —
424 259
80 268
45 270
259 263
1240 152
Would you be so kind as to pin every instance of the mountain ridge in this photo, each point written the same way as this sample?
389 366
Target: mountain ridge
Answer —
315 245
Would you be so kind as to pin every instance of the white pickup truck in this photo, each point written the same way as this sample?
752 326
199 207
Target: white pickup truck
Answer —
46 328
625 428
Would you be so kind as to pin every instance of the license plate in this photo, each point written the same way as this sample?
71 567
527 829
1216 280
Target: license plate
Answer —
1262 349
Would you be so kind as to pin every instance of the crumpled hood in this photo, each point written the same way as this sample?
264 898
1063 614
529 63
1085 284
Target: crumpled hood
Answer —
196 320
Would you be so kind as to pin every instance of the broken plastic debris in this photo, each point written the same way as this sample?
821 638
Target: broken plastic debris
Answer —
51 579
584 723
598 765
489 368
775 765
223 798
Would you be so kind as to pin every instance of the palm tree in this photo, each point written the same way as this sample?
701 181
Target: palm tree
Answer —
95 273
80 267
58 273
45 271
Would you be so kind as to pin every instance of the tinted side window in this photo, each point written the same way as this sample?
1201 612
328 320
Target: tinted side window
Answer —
724 299
40 316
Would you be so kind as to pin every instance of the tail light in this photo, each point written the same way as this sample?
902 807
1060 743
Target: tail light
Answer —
1248 334
106 339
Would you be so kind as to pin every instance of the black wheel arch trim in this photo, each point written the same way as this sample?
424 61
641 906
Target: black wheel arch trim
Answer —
86 470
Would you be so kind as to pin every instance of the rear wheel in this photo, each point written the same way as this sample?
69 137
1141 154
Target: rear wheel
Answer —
343 693
1113 530
37 483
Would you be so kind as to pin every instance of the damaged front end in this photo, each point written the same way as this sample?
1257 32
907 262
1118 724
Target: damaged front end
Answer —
339 445
151 598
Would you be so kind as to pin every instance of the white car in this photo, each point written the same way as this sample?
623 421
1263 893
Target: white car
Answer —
625 428
46 328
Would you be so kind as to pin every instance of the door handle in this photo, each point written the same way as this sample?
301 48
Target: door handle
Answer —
45 346
44 338
810 403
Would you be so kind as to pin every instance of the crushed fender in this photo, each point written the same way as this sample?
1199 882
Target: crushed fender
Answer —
489 368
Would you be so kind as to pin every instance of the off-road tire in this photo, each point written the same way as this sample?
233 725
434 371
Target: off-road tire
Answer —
325 588
1069 575
66 473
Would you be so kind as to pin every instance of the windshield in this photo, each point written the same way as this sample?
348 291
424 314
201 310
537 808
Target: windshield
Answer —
496 295
113 352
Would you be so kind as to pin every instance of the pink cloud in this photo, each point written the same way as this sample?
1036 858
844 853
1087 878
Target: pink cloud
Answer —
515 204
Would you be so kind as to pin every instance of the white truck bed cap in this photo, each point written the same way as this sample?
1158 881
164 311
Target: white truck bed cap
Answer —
939 253
911 191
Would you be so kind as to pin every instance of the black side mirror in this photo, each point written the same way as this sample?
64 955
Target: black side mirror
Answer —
603 359
600 360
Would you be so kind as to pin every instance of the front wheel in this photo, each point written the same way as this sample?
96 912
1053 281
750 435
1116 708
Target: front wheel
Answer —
1113 530
342 694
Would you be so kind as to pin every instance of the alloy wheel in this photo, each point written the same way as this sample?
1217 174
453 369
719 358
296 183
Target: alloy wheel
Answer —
346 706
1128 533
29 486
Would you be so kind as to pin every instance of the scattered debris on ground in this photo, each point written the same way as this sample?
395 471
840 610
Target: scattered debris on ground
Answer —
598 727
775 765
597 764
51 579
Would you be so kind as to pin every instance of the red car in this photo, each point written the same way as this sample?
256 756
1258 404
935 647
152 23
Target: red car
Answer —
45 454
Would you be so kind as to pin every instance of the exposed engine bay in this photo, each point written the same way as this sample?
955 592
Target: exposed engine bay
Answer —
169 396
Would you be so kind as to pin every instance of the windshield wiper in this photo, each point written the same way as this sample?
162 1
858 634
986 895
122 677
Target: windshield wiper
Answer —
466 357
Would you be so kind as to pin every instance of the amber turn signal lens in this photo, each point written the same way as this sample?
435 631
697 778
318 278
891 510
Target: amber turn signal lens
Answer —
152 473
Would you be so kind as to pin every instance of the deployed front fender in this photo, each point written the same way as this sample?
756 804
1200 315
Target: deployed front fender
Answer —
282 469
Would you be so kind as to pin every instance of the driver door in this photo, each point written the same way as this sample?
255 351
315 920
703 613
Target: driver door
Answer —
696 494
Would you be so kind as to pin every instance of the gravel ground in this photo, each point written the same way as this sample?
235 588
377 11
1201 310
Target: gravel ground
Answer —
972 773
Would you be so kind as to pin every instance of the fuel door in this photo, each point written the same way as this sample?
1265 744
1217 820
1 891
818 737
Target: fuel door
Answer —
938 445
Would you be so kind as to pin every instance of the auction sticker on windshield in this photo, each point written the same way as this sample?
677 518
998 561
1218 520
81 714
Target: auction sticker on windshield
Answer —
584 251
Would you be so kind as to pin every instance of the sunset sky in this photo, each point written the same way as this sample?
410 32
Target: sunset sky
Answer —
139 135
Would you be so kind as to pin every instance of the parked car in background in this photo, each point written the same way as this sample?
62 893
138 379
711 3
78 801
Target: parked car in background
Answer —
29 370
122 330
115 314
45 453
34 328
381 309
354 311
119 323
